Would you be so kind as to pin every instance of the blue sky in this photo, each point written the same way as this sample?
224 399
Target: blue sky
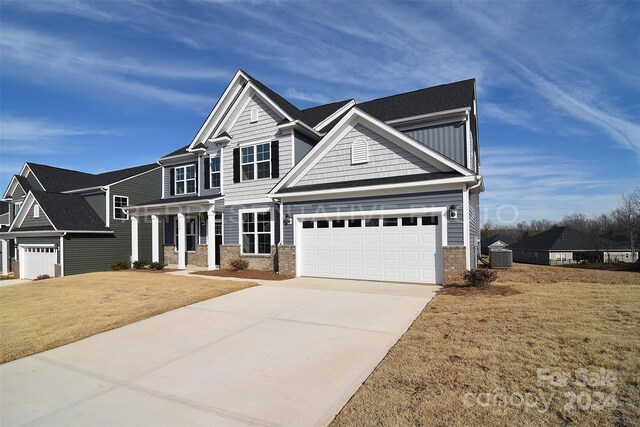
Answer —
103 85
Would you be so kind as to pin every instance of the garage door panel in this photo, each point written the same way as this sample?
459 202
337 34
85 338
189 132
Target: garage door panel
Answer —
37 261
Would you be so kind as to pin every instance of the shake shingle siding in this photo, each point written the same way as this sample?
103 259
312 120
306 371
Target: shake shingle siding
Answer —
245 133
386 159
448 139
353 206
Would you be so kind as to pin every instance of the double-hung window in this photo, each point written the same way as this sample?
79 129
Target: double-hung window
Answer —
185 179
119 205
215 172
256 162
256 232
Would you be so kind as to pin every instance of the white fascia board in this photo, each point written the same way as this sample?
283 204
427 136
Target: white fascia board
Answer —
11 187
25 208
171 158
220 140
301 126
82 190
12 234
177 203
213 118
333 116
377 190
439 115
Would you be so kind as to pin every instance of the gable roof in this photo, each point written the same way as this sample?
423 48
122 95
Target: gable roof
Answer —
566 239
66 212
57 180
24 183
498 237
314 115
288 107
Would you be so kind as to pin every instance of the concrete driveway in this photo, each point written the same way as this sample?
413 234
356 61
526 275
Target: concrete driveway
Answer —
282 354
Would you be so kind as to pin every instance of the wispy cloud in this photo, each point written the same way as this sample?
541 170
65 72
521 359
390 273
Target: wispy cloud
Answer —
318 98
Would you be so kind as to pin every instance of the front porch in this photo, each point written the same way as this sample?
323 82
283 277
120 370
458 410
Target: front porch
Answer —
185 235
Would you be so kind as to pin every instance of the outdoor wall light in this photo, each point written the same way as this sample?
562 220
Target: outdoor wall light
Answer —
287 219
453 212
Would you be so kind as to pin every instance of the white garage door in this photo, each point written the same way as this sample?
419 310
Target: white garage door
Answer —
38 260
406 249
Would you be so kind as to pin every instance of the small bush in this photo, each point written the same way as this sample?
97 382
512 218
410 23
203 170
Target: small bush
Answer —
238 264
121 265
42 277
140 264
479 277
157 265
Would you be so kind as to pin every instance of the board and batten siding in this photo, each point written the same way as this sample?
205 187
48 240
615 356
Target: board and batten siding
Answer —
474 227
231 222
448 139
98 202
351 207
30 221
246 133
386 160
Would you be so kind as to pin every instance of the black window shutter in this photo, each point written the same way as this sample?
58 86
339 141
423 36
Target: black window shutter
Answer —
275 159
236 165
172 179
206 173
197 178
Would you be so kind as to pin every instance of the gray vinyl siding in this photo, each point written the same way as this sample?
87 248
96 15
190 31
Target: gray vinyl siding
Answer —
34 181
455 233
205 175
231 222
474 227
18 193
4 219
448 139
30 221
386 159
245 133
98 203
302 146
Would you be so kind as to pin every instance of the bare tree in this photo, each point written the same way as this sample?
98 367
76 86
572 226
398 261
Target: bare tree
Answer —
577 220
627 217
603 225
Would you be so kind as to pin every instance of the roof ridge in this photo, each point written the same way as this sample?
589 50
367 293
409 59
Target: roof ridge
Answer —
57 167
417 90
345 101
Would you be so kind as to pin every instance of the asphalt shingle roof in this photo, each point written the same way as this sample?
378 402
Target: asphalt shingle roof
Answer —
566 239
58 179
491 240
314 115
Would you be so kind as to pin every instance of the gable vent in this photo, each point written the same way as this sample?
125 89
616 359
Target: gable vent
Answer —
359 152
254 115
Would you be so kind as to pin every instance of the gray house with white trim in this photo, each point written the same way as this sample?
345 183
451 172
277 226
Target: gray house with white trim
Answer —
387 189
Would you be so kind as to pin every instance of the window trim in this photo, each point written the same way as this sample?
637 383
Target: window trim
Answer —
211 172
114 208
175 179
255 160
196 235
255 232
36 211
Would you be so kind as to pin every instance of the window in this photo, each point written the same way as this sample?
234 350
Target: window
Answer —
190 232
307 224
36 211
256 232
323 224
429 220
389 222
359 152
373 222
119 203
16 208
337 223
561 257
355 223
256 162
215 172
185 179
409 221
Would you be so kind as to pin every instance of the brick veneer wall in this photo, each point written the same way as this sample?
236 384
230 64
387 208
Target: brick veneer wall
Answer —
57 270
454 263
256 262
170 254
287 256
15 268
199 257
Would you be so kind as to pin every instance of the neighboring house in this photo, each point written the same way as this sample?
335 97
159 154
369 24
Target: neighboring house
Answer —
499 241
566 245
387 189
66 222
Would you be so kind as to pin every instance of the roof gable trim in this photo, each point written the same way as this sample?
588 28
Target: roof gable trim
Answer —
25 209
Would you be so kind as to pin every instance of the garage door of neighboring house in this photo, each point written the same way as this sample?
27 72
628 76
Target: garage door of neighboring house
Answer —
387 248
37 260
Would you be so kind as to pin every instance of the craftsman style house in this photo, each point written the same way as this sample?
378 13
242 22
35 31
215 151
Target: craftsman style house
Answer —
384 190
62 222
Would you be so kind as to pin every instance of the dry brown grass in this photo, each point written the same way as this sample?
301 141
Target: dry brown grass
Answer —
41 315
470 341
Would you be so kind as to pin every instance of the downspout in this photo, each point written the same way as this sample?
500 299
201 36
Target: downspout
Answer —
107 206
62 253
473 187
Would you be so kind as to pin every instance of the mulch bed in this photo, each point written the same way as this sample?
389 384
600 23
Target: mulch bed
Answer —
151 270
245 274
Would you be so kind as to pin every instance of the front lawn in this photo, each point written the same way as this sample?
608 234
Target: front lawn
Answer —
516 353
42 315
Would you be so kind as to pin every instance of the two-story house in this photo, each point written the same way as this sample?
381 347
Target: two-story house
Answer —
386 189
61 222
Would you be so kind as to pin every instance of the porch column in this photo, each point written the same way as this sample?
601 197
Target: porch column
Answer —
134 238
211 239
5 257
182 242
155 243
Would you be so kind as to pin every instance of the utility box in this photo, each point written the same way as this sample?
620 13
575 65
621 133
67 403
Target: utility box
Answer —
500 258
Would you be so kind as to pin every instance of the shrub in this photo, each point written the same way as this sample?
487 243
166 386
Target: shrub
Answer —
157 265
479 277
140 264
43 277
121 265
238 264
